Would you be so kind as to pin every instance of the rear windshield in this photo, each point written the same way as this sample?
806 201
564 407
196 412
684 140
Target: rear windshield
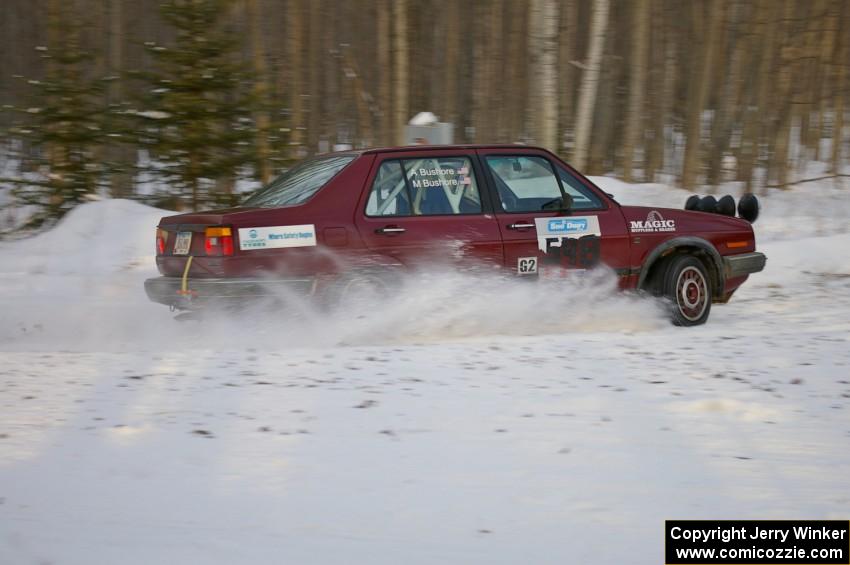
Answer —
299 183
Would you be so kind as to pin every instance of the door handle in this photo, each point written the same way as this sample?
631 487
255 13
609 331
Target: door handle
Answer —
520 226
389 230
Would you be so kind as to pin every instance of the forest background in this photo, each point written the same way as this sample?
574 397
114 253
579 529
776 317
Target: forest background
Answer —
185 103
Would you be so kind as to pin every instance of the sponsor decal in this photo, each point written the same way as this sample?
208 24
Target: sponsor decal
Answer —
555 229
654 222
572 242
277 236
567 225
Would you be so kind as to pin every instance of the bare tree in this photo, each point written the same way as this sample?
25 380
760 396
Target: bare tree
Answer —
637 79
261 91
543 48
841 60
384 74
566 69
295 21
698 90
587 96
400 62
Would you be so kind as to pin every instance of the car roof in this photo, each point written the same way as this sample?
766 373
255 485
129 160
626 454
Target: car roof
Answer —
409 148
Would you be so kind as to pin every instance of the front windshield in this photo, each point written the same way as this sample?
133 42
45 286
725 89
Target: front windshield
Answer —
299 183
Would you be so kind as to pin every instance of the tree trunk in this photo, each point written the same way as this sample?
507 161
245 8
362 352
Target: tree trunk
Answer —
566 71
450 9
698 93
637 79
828 41
516 67
480 62
765 82
782 117
587 96
386 136
364 117
315 64
262 122
329 93
121 156
295 21
730 108
664 85
494 114
543 47
841 60
807 67
400 59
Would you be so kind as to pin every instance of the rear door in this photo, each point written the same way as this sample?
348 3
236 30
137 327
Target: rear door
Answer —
427 206
526 186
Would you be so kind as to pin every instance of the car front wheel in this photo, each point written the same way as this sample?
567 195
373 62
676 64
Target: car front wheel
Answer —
687 286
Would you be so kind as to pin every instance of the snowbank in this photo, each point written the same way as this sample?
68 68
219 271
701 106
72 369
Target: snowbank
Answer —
93 239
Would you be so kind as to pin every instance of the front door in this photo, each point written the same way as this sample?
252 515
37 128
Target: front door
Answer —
540 237
424 208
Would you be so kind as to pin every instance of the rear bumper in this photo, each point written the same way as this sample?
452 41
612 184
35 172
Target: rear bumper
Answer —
743 264
204 292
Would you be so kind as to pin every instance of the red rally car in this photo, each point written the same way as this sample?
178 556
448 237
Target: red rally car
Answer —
349 219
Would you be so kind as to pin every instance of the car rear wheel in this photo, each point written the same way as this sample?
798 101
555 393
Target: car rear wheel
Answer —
358 289
687 286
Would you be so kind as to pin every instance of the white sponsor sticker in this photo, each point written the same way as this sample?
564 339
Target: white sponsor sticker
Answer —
654 222
569 227
277 236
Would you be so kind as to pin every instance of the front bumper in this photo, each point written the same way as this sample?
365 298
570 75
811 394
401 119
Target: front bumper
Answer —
205 292
743 264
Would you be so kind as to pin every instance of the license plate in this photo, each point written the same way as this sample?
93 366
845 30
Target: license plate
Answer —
182 243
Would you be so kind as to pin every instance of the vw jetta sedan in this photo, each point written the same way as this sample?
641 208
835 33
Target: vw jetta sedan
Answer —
347 220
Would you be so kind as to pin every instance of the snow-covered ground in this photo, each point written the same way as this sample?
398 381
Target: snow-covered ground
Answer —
465 422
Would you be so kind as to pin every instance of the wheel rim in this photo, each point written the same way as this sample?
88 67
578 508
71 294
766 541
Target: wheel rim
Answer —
362 289
691 293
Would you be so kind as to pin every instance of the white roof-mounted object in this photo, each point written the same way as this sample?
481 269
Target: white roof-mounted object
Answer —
425 129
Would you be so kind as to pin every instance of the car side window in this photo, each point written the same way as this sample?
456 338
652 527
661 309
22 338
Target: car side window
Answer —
426 186
525 183
389 196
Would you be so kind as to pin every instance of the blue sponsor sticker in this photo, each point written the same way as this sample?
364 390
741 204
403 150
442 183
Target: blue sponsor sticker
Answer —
567 225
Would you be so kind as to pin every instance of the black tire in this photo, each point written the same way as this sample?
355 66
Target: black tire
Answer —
686 284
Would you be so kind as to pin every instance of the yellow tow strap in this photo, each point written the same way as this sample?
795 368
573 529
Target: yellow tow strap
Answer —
184 283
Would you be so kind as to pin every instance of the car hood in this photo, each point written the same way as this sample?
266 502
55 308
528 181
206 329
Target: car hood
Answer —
649 219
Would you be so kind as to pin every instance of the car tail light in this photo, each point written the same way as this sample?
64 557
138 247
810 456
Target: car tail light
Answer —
161 237
219 241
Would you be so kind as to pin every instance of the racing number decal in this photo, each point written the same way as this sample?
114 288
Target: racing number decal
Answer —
581 253
573 242
527 265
